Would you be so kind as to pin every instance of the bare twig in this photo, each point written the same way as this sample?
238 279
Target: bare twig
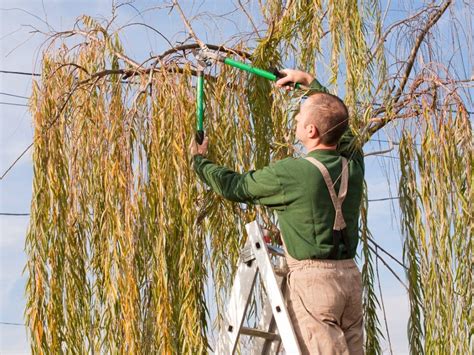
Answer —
388 267
202 45
249 18
147 26
409 66
387 253
383 305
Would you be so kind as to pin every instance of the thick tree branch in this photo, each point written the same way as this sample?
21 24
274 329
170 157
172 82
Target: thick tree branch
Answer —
214 47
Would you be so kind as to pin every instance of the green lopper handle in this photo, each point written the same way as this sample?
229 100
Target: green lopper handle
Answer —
273 76
200 107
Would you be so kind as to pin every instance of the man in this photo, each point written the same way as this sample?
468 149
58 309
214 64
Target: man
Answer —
317 200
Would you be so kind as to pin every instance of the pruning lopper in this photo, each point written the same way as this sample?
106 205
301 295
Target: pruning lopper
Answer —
205 57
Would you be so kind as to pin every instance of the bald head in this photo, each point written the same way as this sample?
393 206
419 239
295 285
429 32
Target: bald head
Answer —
328 114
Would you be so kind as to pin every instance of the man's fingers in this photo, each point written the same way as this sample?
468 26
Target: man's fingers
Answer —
204 144
283 81
286 79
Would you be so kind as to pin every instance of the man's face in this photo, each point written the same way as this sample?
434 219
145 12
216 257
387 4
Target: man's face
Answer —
302 129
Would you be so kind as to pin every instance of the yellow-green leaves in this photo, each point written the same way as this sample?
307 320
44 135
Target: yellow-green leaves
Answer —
124 241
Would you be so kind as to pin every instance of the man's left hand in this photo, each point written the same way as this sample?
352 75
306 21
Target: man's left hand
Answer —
198 149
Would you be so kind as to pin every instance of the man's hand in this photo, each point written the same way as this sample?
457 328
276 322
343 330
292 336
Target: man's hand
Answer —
272 237
294 76
198 149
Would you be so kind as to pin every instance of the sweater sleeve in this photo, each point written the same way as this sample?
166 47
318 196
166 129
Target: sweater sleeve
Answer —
315 87
350 147
261 186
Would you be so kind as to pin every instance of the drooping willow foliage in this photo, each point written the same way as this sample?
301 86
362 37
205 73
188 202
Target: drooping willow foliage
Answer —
436 200
124 242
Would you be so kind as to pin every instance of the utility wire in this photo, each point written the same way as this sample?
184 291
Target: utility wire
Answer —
19 96
12 104
384 199
13 214
10 323
385 156
38 74
372 200
19 73
16 160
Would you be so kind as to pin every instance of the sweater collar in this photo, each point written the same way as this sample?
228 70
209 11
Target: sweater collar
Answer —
323 152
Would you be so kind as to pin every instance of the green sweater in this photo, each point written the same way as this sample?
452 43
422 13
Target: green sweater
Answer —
296 190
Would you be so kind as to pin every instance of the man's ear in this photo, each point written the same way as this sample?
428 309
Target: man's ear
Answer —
312 131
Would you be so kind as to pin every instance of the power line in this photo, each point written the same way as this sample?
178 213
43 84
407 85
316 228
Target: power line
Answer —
47 128
16 324
12 104
19 96
126 82
19 73
371 200
384 199
385 156
16 160
13 214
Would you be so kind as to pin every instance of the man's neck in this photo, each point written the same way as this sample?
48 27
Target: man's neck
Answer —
316 145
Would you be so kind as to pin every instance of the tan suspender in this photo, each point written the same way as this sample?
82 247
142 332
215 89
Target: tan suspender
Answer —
337 200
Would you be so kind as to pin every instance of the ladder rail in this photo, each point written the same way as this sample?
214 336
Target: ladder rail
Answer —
276 320
241 291
275 296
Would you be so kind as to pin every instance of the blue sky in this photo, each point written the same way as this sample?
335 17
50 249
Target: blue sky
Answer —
19 52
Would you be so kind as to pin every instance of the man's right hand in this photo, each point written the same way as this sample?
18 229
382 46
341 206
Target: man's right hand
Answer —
198 149
294 76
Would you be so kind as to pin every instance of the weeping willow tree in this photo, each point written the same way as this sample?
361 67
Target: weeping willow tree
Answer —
123 241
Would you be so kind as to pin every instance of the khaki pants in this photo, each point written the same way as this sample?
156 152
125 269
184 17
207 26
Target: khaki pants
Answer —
325 306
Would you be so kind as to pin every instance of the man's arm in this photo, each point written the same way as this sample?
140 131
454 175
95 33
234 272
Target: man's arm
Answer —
257 187
350 147
298 76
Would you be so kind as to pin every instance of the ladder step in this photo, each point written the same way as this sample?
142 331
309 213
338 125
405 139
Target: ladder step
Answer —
274 329
260 333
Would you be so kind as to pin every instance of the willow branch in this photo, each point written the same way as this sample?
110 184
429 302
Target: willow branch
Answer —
249 18
98 76
411 60
214 47
383 250
388 267
201 44
147 26
383 306
409 66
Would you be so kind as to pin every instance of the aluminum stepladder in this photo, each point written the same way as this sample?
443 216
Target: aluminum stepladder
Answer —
255 259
